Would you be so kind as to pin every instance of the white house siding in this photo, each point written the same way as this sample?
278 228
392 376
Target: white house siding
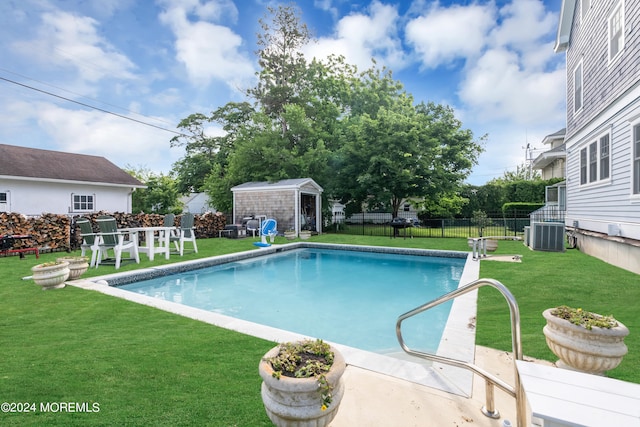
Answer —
37 197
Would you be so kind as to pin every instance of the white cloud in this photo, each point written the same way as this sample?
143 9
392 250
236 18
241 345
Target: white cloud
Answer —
92 132
361 37
208 51
71 41
497 87
444 34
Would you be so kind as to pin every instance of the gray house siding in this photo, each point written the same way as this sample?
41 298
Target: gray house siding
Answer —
604 215
599 204
603 82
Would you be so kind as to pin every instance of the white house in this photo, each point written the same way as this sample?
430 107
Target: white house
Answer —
34 181
197 203
551 162
602 47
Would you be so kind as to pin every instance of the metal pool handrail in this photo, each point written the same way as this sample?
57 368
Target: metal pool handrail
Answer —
490 380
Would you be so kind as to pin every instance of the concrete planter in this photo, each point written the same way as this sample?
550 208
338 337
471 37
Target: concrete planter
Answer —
50 275
593 351
290 235
492 245
77 266
297 402
305 234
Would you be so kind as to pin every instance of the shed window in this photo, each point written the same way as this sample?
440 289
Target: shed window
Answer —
3 197
616 33
83 202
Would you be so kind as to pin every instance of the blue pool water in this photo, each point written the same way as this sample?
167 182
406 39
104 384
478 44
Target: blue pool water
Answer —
348 297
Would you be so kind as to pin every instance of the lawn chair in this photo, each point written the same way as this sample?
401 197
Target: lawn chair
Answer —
185 233
269 228
90 240
253 227
112 238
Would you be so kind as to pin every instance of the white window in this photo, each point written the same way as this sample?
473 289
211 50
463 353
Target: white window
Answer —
83 202
577 88
3 197
584 7
583 166
604 156
595 160
616 31
636 159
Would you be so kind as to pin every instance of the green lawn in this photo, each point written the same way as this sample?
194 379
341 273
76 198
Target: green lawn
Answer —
148 367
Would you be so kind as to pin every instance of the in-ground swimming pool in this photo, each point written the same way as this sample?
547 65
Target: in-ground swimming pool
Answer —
346 297
458 340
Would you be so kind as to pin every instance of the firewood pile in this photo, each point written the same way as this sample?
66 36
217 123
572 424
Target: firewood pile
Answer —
60 233
48 231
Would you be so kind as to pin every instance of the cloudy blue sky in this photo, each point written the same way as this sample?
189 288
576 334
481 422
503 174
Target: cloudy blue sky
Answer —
156 62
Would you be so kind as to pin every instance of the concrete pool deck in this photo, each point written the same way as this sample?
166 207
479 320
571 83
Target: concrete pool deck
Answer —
377 400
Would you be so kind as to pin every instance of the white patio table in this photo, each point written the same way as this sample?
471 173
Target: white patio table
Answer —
149 246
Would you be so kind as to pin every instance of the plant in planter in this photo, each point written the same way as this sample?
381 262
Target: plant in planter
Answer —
302 383
585 341
50 275
78 265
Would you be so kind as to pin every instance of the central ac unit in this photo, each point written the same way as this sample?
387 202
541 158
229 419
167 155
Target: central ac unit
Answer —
547 236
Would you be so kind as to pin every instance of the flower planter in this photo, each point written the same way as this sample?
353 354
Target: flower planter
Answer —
77 266
50 275
593 351
297 402
304 235
290 235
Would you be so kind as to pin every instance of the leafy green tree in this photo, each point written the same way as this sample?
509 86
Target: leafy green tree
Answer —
160 196
396 150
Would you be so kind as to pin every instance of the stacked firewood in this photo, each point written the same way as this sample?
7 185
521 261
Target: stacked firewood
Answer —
209 224
48 231
59 232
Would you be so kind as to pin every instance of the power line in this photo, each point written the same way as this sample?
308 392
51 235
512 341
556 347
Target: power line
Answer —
84 96
92 107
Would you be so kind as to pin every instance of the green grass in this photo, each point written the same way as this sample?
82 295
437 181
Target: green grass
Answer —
148 367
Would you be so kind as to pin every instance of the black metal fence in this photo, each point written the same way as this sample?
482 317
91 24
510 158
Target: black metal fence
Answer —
381 224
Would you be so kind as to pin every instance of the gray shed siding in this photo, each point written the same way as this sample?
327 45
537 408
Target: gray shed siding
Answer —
603 83
279 205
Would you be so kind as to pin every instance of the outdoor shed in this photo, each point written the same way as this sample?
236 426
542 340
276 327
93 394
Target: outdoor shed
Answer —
296 204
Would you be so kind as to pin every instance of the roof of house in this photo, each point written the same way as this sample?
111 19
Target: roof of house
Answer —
284 184
554 136
565 23
32 163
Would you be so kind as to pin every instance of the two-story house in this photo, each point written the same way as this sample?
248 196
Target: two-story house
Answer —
601 40
34 181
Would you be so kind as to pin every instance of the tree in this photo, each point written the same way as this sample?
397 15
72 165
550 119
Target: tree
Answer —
395 150
281 60
208 154
160 196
